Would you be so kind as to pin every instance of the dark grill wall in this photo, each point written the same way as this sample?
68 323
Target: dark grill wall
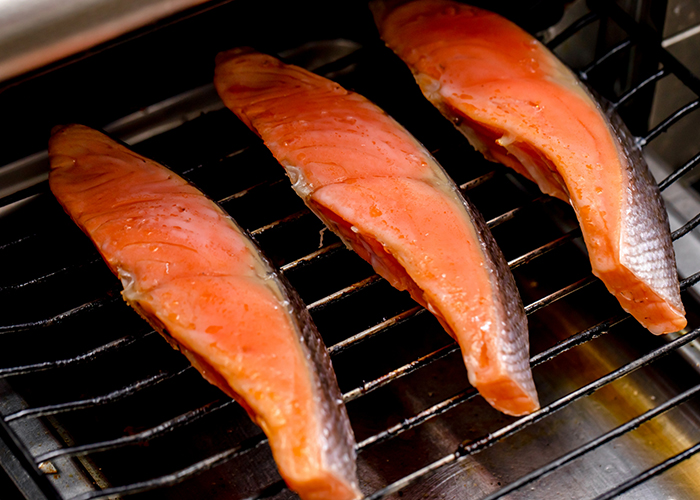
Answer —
136 73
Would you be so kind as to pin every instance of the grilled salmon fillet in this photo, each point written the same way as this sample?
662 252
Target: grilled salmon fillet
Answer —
197 277
380 190
520 106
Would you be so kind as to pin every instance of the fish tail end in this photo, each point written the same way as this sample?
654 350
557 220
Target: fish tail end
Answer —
510 397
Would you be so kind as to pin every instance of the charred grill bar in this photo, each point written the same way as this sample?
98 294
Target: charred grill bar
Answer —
290 234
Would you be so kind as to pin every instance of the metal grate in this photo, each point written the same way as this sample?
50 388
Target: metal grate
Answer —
129 414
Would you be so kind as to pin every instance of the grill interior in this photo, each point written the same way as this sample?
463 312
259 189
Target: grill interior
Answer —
104 406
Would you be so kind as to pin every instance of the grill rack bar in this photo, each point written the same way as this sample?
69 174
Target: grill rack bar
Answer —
650 473
17 241
139 437
571 30
592 445
578 339
246 191
633 91
478 445
43 411
686 228
302 261
402 371
85 357
344 292
680 172
690 281
664 125
420 418
58 318
24 194
43 278
583 74
677 174
376 329
646 36
39 485
178 476
547 247
559 294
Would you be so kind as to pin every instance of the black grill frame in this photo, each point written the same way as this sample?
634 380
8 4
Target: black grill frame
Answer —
638 35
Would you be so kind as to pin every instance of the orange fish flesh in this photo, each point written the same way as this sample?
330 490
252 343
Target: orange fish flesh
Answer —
520 106
189 270
380 190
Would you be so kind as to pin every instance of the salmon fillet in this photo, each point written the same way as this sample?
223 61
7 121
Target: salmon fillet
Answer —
520 106
381 191
196 276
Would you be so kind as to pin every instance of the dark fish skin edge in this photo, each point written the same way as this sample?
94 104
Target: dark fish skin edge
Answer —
340 452
644 209
511 309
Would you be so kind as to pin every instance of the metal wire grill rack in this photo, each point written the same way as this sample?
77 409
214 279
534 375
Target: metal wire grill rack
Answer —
131 416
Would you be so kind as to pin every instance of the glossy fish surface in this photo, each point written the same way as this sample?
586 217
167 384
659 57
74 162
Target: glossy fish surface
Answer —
377 187
520 106
195 275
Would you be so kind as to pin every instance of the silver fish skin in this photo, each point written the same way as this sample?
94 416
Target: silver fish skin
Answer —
646 248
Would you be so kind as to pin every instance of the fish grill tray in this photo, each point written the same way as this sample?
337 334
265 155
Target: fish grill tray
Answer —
128 415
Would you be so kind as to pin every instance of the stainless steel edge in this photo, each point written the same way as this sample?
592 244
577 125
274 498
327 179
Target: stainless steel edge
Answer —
34 33
63 473
18 475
